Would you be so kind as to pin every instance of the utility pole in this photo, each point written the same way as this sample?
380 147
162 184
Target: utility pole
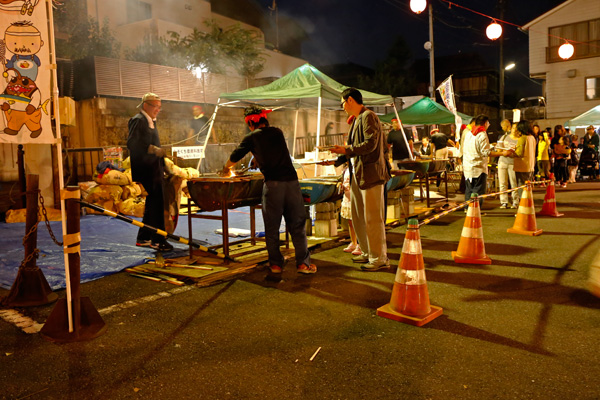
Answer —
276 9
431 56
502 6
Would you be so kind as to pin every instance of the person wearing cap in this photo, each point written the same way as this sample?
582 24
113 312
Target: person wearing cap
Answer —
591 139
147 168
397 140
370 171
281 192
199 126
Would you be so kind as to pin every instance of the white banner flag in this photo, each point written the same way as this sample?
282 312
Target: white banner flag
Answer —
447 92
25 84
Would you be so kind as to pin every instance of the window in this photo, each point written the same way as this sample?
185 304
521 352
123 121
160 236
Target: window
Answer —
585 36
138 11
592 88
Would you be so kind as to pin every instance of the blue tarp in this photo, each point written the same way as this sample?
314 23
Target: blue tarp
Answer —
107 245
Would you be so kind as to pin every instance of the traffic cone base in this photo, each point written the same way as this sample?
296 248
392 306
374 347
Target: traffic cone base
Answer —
537 232
468 260
387 312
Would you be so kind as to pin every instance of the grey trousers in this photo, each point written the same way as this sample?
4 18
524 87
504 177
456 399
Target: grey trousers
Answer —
368 218
284 199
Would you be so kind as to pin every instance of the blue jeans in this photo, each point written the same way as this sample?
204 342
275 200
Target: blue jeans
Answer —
284 199
476 185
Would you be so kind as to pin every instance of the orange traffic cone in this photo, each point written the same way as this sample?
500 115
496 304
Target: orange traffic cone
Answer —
471 249
410 297
549 206
525 221
594 280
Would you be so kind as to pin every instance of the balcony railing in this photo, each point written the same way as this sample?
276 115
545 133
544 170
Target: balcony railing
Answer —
582 50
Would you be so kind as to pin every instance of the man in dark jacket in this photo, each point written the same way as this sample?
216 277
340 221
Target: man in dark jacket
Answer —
281 193
370 171
147 168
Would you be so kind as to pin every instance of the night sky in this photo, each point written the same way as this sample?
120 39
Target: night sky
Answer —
362 32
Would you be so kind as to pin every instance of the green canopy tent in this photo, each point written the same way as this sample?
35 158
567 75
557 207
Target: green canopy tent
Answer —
424 112
304 87
590 117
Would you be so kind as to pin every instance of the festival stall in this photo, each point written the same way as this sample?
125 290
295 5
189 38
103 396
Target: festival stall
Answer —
590 117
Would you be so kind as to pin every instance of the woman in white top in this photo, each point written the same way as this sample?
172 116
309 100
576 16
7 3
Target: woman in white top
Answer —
506 171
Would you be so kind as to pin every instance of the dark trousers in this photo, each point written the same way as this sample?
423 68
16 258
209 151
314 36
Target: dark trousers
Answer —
560 170
284 199
476 185
154 213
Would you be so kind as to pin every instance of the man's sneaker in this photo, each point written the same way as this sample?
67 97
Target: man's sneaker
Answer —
376 266
503 205
362 258
514 206
162 247
275 269
307 269
143 243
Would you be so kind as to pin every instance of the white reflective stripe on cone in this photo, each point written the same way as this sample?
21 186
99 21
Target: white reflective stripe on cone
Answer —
410 277
412 246
526 210
475 233
472 213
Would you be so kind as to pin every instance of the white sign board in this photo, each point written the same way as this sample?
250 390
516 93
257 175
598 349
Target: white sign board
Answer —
189 152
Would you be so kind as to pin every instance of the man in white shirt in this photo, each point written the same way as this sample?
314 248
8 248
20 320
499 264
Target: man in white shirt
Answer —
475 150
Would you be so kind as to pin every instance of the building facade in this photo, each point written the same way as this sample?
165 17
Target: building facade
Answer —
571 86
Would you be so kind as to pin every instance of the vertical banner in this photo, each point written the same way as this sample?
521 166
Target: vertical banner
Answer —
25 83
447 92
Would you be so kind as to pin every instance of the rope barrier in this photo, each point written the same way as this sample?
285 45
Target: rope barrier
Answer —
466 203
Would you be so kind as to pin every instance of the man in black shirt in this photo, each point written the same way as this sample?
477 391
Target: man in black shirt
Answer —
281 193
397 139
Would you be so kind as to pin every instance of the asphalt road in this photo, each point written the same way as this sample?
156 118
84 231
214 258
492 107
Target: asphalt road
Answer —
524 327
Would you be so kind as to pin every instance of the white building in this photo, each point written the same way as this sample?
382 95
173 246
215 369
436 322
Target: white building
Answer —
133 20
571 86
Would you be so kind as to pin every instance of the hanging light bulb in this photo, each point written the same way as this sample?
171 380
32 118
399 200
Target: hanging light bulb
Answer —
418 6
566 50
494 30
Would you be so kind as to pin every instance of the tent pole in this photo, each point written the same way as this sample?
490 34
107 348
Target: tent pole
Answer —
61 183
295 129
412 156
210 126
318 133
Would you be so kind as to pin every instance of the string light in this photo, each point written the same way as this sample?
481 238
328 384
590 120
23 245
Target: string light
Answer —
566 50
494 30
418 6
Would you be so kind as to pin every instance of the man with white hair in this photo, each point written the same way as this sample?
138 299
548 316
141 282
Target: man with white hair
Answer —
147 168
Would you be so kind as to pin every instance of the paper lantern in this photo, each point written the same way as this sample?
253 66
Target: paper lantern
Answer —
566 51
494 30
418 6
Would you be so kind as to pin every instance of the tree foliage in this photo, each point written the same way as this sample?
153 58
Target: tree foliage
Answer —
80 36
214 51
392 75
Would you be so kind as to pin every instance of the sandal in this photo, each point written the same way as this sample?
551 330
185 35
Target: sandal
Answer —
307 269
357 251
350 248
